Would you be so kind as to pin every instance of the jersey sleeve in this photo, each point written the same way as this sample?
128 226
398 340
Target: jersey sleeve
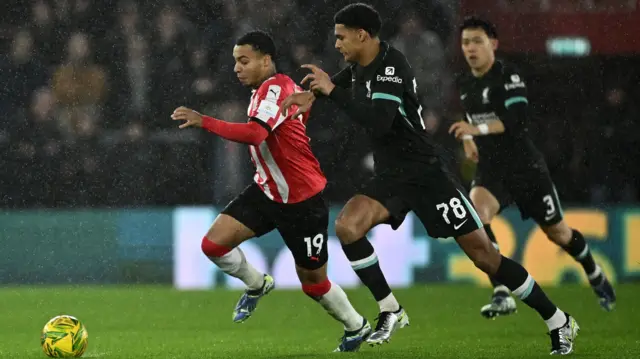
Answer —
512 101
378 110
342 78
265 108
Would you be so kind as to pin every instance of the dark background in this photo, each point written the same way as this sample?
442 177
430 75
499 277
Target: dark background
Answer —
87 87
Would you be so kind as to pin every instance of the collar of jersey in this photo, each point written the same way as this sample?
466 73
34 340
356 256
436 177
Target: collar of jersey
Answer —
496 69
375 64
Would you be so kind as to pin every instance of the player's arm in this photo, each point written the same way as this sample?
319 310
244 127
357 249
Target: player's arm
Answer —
305 99
252 133
490 127
375 116
342 78
463 130
511 103
512 106
470 149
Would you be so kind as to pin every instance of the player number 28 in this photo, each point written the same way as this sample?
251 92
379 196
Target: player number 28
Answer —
316 242
456 206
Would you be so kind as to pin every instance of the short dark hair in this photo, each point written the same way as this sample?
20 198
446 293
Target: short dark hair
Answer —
260 41
359 16
475 22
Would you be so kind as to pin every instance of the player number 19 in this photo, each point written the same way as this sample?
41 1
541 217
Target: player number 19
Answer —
456 206
316 242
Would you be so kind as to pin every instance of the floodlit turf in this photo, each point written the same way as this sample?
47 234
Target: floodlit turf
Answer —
158 322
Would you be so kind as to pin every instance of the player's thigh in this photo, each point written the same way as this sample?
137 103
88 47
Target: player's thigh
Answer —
358 216
539 200
542 203
376 202
445 209
485 202
489 196
303 227
245 217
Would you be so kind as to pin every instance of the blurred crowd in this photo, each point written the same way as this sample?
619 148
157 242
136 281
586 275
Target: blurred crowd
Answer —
568 5
88 87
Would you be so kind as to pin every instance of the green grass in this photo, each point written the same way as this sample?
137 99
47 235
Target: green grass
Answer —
158 322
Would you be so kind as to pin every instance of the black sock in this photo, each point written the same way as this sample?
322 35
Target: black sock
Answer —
518 280
579 250
364 262
492 237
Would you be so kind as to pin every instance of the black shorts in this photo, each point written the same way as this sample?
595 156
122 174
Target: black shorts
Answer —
302 225
440 202
534 193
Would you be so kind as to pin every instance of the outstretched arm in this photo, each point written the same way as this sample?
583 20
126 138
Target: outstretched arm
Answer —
252 133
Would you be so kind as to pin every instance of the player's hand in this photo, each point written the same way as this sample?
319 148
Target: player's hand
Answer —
462 128
320 81
471 150
192 117
303 100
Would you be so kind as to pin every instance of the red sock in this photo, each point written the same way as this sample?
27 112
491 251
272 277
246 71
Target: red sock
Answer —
211 249
317 289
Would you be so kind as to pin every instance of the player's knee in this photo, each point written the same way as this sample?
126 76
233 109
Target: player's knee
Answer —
484 206
212 249
485 214
311 276
348 231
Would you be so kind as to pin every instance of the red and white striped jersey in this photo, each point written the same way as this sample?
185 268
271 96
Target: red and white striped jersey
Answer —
286 169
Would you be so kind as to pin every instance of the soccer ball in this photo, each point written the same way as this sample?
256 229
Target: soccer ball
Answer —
64 337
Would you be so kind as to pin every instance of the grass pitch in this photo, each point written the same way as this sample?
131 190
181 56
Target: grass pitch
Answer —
159 322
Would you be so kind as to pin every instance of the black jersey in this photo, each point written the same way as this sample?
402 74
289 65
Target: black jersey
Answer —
501 94
382 97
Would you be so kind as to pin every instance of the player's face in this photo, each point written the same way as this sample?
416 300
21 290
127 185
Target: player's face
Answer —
250 65
348 42
478 48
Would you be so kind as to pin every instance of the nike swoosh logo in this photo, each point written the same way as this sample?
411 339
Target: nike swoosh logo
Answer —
274 93
456 227
546 218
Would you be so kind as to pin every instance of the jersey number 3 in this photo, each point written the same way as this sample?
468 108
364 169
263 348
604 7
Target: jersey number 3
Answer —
456 206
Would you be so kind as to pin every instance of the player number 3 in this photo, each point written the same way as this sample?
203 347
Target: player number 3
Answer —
316 242
456 206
